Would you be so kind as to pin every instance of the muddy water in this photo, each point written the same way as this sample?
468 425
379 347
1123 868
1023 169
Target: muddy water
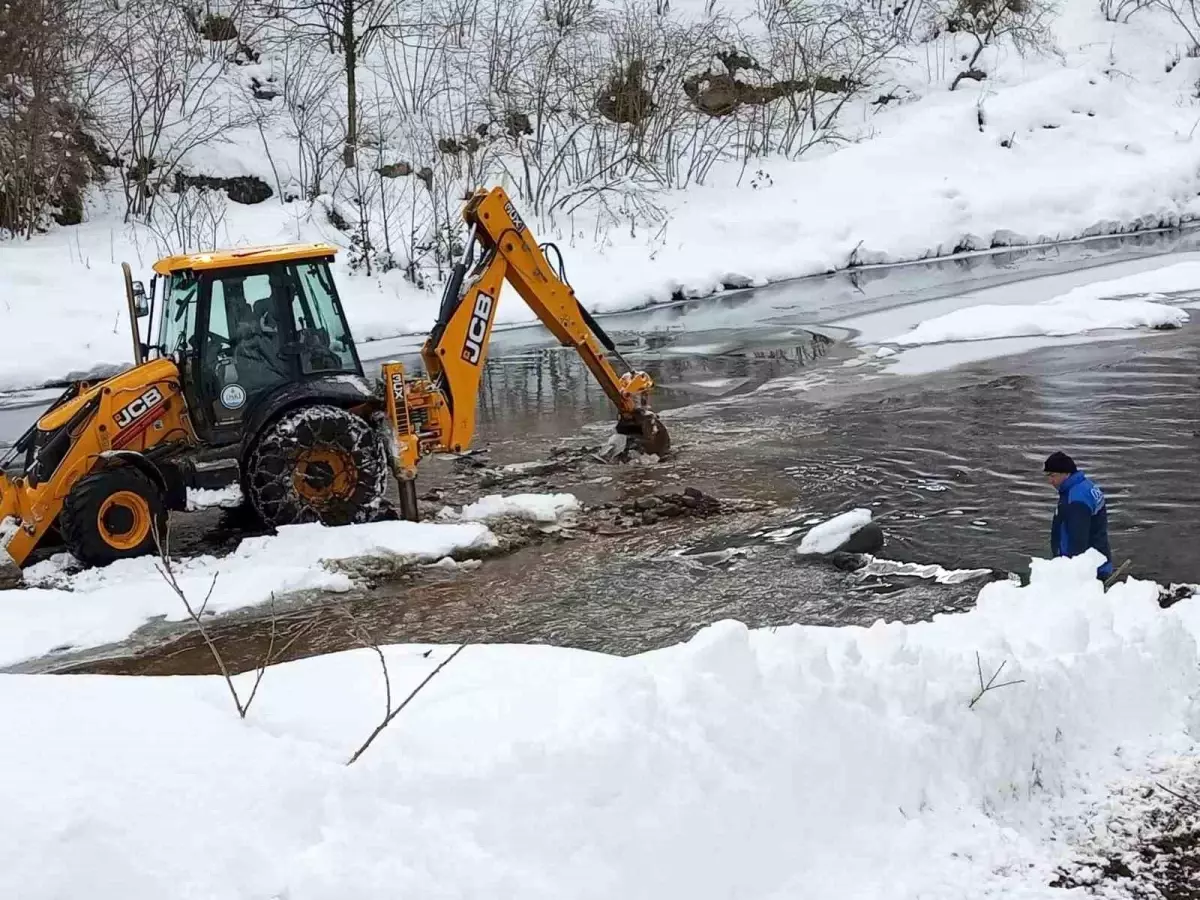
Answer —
950 465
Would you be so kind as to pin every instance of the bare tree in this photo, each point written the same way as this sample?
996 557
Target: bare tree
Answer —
349 28
190 221
314 120
1186 16
1025 23
821 56
1122 10
164 98
44 166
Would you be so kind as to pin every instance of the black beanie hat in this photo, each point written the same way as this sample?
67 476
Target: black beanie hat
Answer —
1059 462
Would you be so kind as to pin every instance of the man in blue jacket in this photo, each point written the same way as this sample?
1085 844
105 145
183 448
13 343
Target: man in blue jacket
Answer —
1081 520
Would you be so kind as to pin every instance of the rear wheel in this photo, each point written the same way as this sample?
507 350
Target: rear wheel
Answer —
317 464
111 515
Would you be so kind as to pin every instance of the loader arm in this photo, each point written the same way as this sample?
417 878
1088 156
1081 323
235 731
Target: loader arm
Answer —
438 413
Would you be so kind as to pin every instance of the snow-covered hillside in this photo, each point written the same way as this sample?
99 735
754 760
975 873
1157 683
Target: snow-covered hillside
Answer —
1081 126
822 763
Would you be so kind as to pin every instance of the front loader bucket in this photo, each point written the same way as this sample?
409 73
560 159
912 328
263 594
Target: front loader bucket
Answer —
10 527
10 572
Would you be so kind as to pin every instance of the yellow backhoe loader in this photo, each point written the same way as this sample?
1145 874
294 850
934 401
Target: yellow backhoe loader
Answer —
251 361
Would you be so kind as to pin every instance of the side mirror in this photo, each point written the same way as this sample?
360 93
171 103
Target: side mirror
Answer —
141 303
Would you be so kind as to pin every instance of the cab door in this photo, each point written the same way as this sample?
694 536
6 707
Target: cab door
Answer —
243 353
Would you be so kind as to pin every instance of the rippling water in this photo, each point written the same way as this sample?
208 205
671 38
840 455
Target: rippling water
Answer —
953 466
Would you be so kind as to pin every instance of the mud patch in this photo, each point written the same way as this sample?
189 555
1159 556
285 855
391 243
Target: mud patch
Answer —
1144 841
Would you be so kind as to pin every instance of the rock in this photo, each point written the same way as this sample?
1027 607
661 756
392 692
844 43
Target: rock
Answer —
264 90
1169 597
868 539
396 170
10 576
845 561
218 28
245 189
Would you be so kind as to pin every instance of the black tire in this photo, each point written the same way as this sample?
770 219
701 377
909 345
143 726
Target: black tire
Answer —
317 464
111 515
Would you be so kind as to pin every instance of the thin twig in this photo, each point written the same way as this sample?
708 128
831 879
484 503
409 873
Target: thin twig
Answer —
392 713
991 682
267 659
168 574
1186 800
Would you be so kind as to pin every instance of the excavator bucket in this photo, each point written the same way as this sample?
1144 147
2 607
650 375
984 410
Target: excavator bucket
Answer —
647 432
654 434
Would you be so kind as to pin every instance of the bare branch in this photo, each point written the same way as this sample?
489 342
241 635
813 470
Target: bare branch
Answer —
390 712
166 570
162 542
991 682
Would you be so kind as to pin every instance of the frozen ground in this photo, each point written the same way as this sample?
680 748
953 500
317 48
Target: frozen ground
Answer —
799 761
1098 139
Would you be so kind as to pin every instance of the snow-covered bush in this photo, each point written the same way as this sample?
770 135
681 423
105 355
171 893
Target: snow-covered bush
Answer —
43 162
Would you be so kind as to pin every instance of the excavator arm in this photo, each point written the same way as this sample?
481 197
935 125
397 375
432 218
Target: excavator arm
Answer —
437 413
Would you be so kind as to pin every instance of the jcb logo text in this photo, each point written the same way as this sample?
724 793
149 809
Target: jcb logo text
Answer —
131 412
477 330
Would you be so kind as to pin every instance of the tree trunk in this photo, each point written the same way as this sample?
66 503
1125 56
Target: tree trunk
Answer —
350 51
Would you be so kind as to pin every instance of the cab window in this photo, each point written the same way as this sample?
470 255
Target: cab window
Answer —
320 323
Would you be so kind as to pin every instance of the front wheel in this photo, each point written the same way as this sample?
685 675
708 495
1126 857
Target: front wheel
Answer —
317 464
112 514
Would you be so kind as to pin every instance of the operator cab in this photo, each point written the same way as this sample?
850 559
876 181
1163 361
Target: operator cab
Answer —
242 324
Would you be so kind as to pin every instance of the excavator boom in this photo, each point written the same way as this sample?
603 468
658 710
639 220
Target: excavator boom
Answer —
438 413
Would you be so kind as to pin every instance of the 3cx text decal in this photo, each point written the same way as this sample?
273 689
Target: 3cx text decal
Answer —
398 388
518 222
477 329
131 412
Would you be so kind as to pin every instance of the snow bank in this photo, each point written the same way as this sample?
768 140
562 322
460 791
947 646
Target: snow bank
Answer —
60 610
1057 317
534 507
828 536
818 762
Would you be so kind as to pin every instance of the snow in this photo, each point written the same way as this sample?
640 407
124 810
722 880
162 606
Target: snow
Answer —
938 574
202 498
1063 316
797 761
1101 303
828 536
533 507
1097 139
60 610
